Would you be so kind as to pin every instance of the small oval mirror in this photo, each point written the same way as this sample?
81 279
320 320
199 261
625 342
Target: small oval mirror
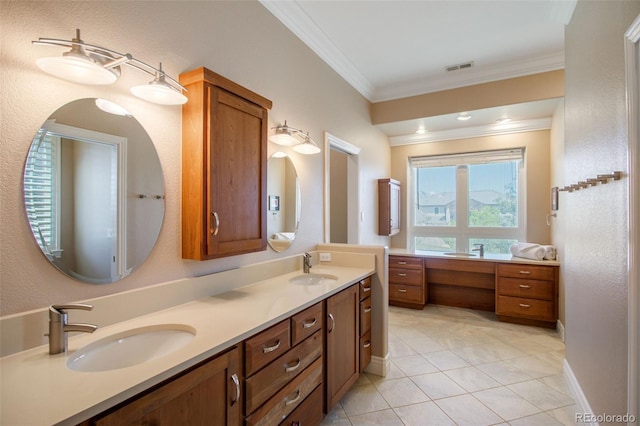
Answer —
93 192
283 204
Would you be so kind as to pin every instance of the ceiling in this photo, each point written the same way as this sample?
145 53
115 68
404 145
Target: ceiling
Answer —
392 49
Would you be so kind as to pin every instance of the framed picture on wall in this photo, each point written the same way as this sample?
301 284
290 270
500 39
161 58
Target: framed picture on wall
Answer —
274 203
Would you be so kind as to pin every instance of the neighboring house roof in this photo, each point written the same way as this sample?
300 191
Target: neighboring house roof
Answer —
486 197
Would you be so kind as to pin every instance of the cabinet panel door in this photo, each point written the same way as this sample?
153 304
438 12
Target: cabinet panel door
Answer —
206 395
237 175
343 343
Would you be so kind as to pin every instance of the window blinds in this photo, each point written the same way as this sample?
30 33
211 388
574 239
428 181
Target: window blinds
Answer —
482 157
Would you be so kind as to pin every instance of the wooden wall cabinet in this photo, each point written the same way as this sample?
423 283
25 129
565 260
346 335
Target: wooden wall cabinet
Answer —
208 394
224 167
388 207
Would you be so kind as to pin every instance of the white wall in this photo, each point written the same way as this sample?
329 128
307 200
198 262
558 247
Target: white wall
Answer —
240 40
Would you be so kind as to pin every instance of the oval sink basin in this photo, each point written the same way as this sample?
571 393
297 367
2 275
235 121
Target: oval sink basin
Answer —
312 279
461 254
131 347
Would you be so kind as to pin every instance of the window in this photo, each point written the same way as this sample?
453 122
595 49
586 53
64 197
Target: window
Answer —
465 199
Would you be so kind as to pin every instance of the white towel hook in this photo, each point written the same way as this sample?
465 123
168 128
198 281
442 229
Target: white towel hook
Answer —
549 218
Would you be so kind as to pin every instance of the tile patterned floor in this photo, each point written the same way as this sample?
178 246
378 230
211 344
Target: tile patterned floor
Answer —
453 366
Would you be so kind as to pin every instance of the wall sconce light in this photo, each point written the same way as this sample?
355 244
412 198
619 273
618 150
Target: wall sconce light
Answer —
289 136
90 64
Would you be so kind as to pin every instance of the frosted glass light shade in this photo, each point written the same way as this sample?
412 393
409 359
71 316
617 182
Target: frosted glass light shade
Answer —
159 92
77 68
284 139
306 148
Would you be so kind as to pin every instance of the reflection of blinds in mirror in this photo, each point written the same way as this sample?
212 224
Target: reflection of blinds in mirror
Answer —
41 180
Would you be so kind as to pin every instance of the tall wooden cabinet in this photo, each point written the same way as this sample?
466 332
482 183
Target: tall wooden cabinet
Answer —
224 159
388 207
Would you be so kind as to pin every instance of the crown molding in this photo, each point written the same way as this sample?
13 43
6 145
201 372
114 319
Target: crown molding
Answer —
472 132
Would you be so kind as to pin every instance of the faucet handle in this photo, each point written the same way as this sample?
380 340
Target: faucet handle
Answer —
56 311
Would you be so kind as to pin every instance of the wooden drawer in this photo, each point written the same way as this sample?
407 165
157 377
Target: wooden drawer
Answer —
406 293
406 276
526 308
305 323
365 288
308 413
365 316
365 351
405 262
526 288
531 272
289 397
266 346
262 385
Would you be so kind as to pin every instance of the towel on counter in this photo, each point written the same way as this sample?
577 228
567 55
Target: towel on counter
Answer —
533 251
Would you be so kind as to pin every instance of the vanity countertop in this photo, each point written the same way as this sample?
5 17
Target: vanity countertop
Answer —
502 258
38 388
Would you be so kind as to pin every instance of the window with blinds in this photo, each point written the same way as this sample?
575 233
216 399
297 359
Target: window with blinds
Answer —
41 183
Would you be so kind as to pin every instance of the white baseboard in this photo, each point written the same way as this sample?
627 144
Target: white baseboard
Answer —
582 405
378 365
560 329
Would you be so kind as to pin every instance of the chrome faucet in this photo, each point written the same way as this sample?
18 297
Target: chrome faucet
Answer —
480 248
306 263
59 326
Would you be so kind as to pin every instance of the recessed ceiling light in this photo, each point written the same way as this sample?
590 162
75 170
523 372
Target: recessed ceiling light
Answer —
464 116
503 120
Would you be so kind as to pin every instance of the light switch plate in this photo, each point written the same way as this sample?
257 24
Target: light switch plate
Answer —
325 257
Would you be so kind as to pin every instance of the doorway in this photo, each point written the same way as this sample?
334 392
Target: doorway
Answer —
342 191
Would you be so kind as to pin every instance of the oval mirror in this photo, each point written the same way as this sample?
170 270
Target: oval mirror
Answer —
93 191
283 203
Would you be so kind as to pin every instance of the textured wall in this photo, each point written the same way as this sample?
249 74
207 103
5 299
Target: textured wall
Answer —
240 40
596 233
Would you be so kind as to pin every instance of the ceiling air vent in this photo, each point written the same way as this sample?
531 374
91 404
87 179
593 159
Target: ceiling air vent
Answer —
459 66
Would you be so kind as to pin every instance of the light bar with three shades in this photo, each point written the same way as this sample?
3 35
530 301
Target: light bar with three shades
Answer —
289 136
90 64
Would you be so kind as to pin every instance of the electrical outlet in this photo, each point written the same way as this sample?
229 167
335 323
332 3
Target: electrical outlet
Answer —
325 257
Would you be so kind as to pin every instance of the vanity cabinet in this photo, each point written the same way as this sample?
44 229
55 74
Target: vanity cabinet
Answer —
388 207
365 322
406 282
284 368
206 394
527 294
224 167
342 344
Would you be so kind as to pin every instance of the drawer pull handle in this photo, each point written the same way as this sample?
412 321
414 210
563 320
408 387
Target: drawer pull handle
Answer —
402 274
290 368
524 305
367 344
288 401
236 382
525 272
214 231
524 286
402 290
333 322
367 310
402 263
266 350
366 289
309 324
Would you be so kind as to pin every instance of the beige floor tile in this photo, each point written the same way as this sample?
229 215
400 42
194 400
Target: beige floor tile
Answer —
382 418
437 385
542 419
541 395
535 366
465 410
401 392
565 415
472 379
400 348
477 354
337 417
445 360
414 364
363 399
425 413
425 345
504 372
506 404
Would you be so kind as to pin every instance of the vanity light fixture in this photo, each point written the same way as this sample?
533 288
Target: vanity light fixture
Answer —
112 108
279 154
90 64
464 116
289 136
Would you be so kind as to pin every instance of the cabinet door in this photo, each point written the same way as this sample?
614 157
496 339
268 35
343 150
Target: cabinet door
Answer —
237 175
343 343
388 207
207 395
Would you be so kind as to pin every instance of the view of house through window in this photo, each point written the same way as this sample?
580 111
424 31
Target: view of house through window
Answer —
467 199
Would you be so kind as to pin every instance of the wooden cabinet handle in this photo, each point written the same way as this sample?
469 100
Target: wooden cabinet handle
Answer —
402 274
367 310
333 322
401 262
366 289
214 231
524 305
402 290
290 368
295 399
525 272
267 349
524 286
236 382
366 344
309 324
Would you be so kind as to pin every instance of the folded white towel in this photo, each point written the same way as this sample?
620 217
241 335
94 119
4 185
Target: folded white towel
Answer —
528 251
550 252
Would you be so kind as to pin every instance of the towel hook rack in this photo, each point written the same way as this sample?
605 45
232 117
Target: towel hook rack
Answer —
589 182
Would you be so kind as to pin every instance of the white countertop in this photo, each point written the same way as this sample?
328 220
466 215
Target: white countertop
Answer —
39 389
488 257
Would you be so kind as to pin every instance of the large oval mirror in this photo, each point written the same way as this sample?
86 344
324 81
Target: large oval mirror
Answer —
283 204
93 192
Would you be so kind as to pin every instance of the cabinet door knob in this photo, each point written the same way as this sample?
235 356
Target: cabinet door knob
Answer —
294 367
524 286
402 290
524 305
267 349
295 399
525 272
366 289
400 262
333 322
366 344
402 274
309 324
236 382
367 310
214 231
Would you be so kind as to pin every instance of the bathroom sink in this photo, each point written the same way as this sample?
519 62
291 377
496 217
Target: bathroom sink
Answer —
131 347
460 254
312 279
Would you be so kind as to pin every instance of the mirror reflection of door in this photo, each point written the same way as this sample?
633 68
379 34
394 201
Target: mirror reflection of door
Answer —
339 198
